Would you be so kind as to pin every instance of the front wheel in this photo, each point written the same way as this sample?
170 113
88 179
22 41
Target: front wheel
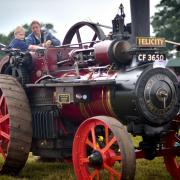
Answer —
102 148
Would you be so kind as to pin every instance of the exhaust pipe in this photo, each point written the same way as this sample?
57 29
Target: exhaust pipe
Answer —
140 17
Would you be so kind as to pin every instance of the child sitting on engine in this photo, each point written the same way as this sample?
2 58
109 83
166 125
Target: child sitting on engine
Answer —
19 41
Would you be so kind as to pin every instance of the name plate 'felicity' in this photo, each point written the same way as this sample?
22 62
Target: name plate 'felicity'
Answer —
150 42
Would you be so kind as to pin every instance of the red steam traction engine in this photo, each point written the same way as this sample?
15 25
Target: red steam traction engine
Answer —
74 100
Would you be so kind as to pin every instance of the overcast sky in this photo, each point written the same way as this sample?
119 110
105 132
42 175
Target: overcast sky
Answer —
61 13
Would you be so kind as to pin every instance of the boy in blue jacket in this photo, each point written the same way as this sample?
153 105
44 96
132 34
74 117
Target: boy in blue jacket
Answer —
19 41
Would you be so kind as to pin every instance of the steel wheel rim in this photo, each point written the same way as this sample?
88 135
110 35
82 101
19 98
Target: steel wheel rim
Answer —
108 155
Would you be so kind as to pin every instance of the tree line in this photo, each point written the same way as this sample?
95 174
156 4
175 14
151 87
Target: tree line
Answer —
166 21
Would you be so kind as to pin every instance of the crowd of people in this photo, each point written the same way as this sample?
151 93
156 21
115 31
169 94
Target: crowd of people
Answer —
38 38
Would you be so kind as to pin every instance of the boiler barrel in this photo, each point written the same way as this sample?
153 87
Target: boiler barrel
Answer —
148 94
151 95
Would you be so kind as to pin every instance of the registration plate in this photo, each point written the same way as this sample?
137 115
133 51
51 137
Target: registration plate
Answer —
63 98
145 57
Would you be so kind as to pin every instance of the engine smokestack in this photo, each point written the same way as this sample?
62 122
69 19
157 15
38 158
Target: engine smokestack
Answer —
140 17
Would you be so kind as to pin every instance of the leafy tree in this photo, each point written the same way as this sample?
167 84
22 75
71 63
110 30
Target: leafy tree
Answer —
49 27
166 22
5 39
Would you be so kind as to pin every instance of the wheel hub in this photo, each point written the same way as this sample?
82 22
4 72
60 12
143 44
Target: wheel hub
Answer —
95 159
108 157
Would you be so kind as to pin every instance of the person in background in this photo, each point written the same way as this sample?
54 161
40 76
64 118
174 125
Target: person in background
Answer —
41 37
19 39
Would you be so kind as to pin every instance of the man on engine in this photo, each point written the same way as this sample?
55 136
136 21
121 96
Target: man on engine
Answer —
41 37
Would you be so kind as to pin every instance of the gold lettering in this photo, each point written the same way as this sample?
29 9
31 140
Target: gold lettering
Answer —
150 42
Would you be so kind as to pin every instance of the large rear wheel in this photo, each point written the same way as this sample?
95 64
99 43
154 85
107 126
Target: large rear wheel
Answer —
102 149
15 126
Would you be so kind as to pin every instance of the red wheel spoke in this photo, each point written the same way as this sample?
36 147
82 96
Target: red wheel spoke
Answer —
116 158
5 135
84 160
89 143
111 177
112 171
170 159
94 174
4 118
93 138
111 142
2 152
106 134
98 175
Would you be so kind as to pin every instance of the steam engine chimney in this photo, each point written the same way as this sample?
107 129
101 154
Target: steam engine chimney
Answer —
140 17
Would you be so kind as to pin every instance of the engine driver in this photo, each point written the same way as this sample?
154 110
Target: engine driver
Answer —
41 37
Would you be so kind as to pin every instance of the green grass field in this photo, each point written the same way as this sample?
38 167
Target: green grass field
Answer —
36 170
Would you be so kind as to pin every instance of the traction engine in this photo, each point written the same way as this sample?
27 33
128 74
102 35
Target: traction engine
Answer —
83 100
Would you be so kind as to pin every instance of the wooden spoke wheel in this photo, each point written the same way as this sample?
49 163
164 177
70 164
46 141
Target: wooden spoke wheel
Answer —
84 32
15 126
102 148
170 159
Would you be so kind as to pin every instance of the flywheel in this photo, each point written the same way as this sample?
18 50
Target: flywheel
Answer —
80 31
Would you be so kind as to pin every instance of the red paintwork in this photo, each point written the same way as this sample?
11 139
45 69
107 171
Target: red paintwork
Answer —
72 113
98 105
102 52
170 159
4 127
45 64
